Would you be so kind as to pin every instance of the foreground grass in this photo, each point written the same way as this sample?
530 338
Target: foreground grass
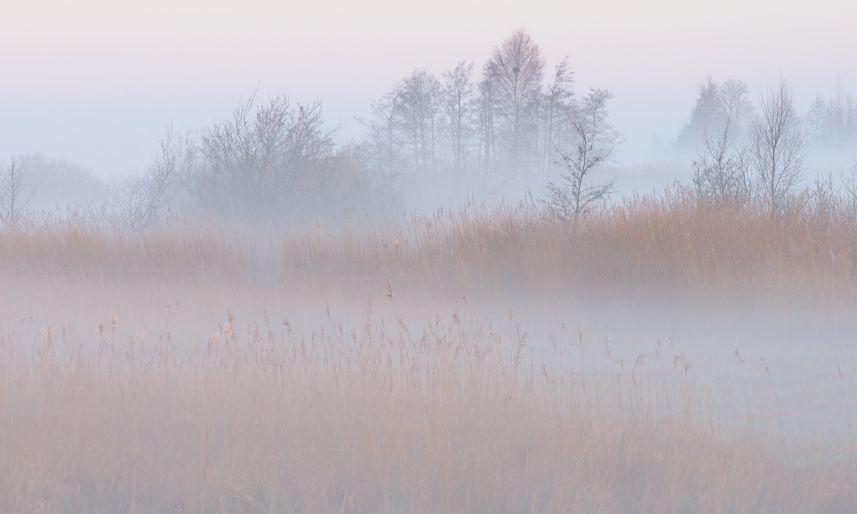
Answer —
380 419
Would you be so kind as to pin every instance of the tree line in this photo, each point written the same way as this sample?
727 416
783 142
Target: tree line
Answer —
274 159
754 154
509 115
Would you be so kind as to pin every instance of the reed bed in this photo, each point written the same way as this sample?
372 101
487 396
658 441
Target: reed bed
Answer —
292 411
642 246
452 417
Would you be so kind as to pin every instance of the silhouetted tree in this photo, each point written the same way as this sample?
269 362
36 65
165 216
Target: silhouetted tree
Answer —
459 103
776 146
418 108
487 132
717 104
558 110
720 171
384 137
833 121
596 140
515 71
261 160
143 200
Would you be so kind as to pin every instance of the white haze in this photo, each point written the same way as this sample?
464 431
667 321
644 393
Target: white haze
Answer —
717 307
97 81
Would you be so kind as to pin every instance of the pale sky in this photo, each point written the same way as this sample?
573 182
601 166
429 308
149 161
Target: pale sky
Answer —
97 81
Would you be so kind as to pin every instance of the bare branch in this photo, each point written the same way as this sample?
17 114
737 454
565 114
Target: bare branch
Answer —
596 142
16 193
776 146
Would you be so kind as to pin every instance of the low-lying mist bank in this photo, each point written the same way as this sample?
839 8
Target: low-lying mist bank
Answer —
668 267
760 306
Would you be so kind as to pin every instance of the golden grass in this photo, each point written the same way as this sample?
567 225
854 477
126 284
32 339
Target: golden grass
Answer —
393 416
643 246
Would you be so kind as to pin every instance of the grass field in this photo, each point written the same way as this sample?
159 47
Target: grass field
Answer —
657 357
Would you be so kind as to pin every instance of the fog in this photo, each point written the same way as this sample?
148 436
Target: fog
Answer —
96 82
447 256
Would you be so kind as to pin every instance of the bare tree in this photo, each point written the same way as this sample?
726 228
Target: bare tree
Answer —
458 96
516 70
596 140
406 125
141 201
418 108
720 172
776 146
558 107
706 112
62 185
821 198
262 160
849 184
716 105
817 120
384 140
487 132
16 192
833 121
277 162
735 107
